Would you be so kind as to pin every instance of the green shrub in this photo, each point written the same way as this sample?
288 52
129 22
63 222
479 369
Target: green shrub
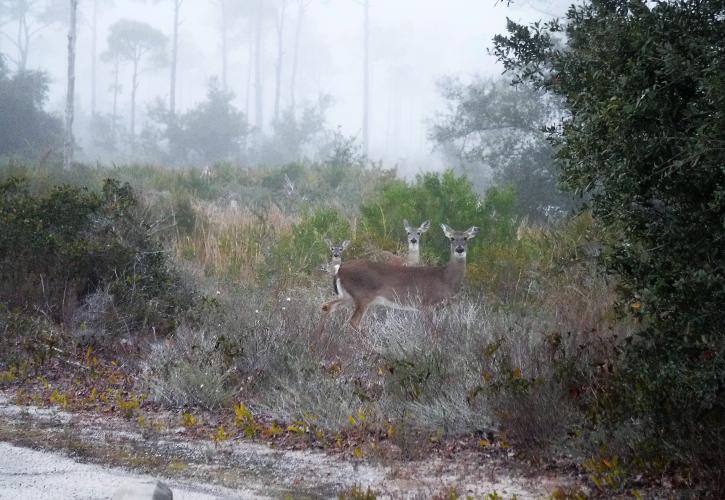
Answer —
296 256
442 198
58 248
26 129
643 140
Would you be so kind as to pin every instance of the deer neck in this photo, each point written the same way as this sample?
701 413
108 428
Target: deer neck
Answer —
456 271
413 255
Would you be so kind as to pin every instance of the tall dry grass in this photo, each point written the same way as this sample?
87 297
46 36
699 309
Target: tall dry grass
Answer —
232 242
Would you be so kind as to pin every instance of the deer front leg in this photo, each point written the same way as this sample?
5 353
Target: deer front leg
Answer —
326 308
358 315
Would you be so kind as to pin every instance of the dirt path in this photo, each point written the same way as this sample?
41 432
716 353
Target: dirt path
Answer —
64 443
27 474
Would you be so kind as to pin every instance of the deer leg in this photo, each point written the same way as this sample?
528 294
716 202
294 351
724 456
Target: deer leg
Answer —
330 306
357 316
327 308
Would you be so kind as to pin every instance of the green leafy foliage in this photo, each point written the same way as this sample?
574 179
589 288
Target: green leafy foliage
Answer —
644 86
133 40
442 198
58 248
301 252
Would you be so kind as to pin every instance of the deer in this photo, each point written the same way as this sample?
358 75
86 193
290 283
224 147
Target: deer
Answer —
414 234
335 256
363 283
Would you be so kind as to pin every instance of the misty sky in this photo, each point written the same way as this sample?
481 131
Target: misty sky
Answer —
413 44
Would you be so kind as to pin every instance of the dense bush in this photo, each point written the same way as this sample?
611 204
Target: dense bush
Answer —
188 371
72 253
26 129
442 198
516 354
644 87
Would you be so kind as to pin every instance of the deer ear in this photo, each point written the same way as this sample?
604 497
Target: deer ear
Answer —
328 242
447 231
472 232
424 227
407 226
345 244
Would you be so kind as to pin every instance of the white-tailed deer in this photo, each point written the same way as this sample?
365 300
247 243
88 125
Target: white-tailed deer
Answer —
335 256
414 235
363 283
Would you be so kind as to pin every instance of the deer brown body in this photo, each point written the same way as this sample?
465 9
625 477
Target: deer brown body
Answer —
363 283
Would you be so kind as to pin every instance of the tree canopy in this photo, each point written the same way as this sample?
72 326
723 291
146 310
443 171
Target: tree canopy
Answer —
214 130
643 84
493 128
26 130
133 40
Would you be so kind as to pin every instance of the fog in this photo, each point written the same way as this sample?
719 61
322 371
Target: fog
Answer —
413 44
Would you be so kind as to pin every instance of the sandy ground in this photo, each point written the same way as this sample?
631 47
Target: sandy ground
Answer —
64 443
27 474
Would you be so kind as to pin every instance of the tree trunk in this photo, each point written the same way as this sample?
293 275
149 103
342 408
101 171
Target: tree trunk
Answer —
134 87
174 57
70 97
295 54
280 55
366 76
225 46
94 55
250 68
23 43
116 90
258 90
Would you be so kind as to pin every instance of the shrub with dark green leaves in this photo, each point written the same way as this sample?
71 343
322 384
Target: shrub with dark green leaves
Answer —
644 85
59 248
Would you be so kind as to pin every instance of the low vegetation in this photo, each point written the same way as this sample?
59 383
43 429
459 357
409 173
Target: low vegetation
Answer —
230 323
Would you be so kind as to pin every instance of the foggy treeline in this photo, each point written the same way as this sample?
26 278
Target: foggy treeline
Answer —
124 114
188 83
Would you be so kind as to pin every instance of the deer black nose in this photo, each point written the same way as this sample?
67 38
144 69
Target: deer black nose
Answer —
460 249
414 241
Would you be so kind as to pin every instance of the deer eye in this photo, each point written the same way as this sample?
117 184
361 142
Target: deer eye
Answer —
465 238
453 239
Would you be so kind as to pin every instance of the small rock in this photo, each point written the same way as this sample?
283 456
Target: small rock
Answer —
150 491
